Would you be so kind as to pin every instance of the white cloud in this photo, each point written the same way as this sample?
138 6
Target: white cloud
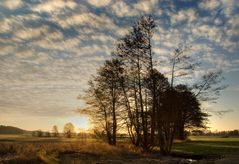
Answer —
99 3
210 32
161 51
229 3
218 61
218 21
146 6
183 15
6 50
5 25
103 38
88 19
15 22
12 4
69 45
31 33
51 6
121 9
94 49
77 19
203 47
25 54
234 21
209 4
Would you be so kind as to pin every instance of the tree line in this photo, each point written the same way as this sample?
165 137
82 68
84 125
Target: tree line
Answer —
68 131
224 134
130 93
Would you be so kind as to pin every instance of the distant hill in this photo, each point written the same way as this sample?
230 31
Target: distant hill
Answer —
11 130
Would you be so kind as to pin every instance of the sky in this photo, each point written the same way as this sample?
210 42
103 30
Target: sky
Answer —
49 49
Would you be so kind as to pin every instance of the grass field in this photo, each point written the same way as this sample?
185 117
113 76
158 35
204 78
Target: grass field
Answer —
226 150
27 149
209 145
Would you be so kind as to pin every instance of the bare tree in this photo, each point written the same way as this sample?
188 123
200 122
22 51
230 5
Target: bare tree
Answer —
208 88
55 132
104 95
69 130
182 64
135 50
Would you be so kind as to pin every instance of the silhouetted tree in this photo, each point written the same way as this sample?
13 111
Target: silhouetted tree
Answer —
38 133
135 50
55 132
104 95
128 90
161 86
47 134
208 88
190 114
69 130
182 64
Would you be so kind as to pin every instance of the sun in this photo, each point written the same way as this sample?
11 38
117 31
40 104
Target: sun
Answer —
80 123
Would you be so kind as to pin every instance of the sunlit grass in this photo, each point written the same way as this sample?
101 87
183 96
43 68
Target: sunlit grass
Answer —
213 138
208 145
50 150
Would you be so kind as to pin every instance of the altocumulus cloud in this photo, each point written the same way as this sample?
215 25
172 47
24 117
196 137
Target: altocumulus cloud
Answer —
49 49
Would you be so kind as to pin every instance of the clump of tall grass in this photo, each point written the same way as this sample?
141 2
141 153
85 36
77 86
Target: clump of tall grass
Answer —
7 149
51 152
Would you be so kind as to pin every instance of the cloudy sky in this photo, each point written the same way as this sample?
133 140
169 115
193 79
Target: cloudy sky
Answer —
49 49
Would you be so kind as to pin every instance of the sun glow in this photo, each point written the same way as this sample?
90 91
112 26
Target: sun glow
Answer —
80 123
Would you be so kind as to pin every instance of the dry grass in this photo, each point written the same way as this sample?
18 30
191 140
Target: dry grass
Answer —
51 152
67 150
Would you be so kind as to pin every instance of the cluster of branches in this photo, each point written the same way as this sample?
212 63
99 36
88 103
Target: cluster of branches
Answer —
129 92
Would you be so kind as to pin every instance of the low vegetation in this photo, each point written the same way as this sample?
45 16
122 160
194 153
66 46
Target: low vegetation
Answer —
39 151
67 150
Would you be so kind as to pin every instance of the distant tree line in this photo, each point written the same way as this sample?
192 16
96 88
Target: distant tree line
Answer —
229 133
129 92
68 131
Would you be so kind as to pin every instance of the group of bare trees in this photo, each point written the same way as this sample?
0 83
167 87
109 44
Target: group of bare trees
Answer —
68 131
129 93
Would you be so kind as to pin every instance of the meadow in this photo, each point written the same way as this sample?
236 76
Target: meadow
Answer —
209 148
27 149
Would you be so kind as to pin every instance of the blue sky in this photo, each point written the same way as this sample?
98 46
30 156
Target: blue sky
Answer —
49 49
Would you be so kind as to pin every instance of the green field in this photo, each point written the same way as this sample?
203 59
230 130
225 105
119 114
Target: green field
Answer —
216 149
209 145
55 150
